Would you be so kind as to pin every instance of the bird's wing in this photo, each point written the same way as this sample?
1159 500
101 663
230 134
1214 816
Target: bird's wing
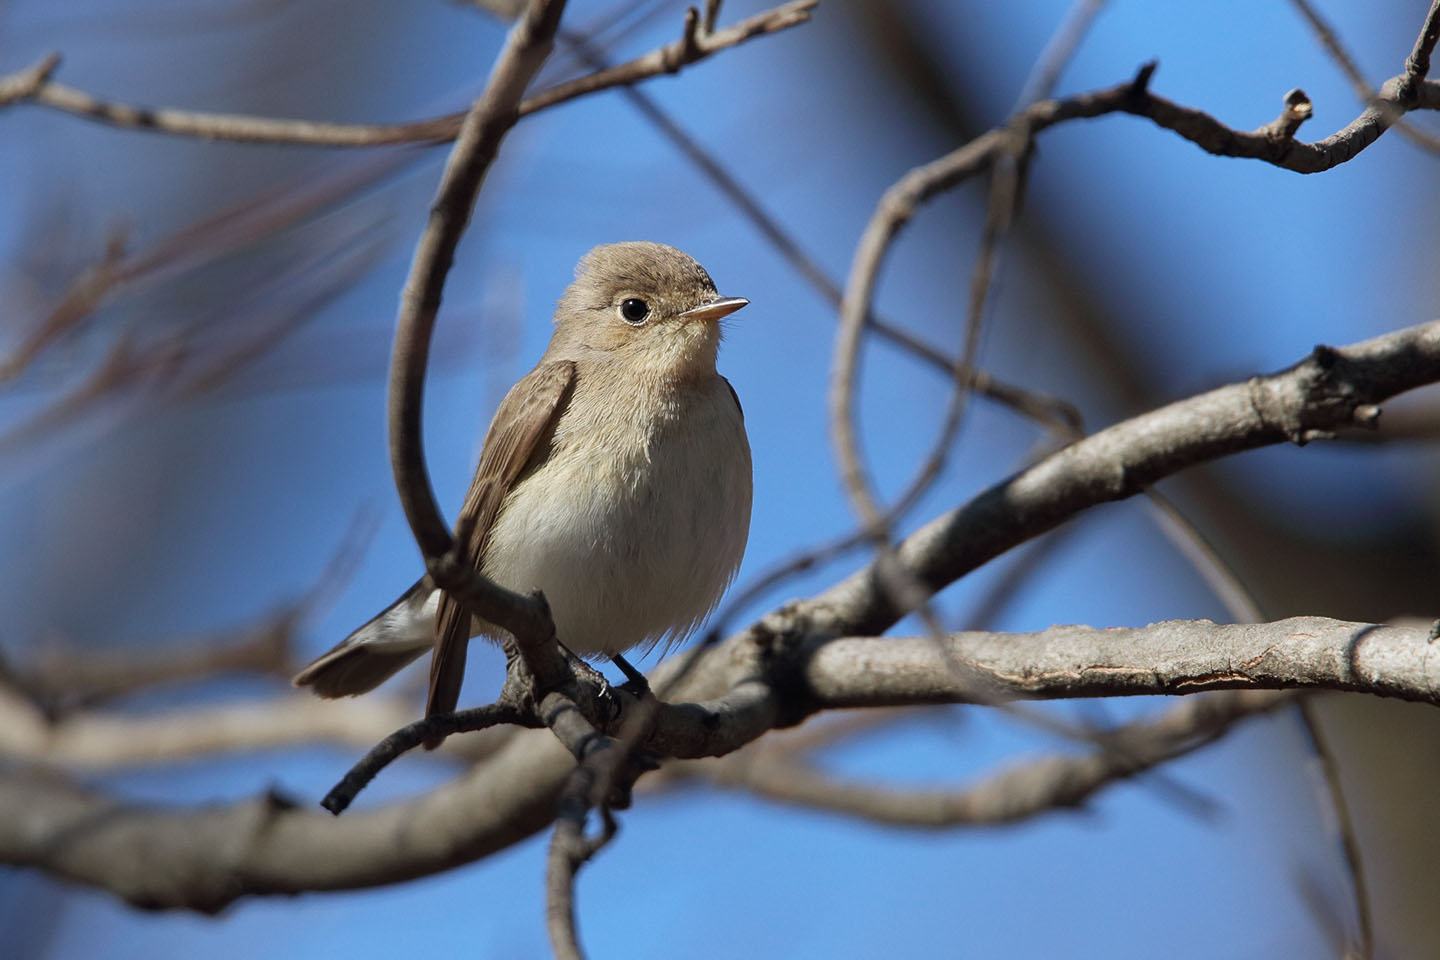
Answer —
736 397
518 439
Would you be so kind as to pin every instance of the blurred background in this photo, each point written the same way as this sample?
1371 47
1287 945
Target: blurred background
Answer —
195 451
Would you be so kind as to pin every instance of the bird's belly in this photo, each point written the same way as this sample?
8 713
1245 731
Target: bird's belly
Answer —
631 545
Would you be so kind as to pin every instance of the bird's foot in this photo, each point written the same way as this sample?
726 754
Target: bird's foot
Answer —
635 682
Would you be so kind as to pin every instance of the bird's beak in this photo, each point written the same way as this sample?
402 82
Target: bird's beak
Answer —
715 309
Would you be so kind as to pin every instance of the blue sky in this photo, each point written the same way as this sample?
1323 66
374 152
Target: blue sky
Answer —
182 518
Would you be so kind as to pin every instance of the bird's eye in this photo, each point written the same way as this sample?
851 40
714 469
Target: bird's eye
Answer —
634 310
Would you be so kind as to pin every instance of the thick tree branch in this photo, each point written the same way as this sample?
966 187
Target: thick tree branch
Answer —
94 740
1174 657
1329 390
204 859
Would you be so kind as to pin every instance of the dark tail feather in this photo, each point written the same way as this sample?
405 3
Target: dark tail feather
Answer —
447 668
377 650
348 671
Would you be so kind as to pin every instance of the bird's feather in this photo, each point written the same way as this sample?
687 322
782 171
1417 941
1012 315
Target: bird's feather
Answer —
518 440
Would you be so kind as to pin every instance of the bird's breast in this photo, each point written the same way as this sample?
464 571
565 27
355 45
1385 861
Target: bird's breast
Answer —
637 519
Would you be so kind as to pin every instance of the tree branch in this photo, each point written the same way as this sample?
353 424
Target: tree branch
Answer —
1327 391
203 859
32 85
1024 790
94 740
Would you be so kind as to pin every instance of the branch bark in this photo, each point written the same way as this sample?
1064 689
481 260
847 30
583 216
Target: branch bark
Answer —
203 859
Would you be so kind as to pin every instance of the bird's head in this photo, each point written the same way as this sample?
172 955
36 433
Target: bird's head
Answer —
644 304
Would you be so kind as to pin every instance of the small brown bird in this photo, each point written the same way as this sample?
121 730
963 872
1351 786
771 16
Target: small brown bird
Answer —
615 477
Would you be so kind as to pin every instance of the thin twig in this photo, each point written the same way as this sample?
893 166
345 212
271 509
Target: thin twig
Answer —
411 736
32 85
1218 575
1058 53
693 46
1034 405
1366 93
1061 781
1329 771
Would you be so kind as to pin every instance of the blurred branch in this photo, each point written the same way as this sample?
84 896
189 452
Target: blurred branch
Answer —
194 246
1329 773
203 354
83 296
64 680
205 857
92 740
1058 53
1026 789
69 679
32 85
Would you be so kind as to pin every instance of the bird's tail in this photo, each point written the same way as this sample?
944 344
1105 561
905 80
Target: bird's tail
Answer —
377 650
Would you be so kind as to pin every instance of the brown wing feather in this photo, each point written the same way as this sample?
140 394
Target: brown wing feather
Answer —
513 443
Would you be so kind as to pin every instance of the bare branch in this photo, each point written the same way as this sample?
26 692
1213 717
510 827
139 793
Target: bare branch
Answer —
1058 52
65 679
1329 390
33 85
206 857
214 855
695 45
1329 772
410 736
1331 42
108 741
1173 657
28 82
492 116
1026 789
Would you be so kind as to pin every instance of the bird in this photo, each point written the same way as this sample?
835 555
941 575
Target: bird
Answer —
615 477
